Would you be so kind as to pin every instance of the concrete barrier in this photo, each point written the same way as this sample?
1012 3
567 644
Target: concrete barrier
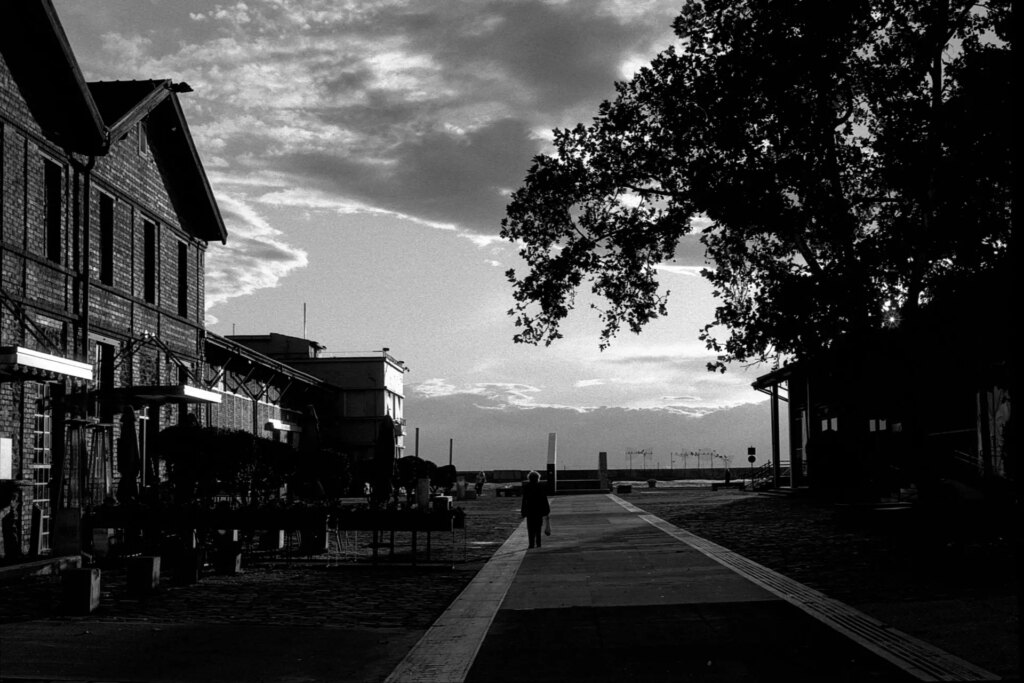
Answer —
143 575
272 539
80 589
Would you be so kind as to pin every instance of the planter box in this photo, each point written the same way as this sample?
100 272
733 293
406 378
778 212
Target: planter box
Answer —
187 569
143 575
272 540
80 589
228 561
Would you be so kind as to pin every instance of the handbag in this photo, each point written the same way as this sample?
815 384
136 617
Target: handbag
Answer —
547 526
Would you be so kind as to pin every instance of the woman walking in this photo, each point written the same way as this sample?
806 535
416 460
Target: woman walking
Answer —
535 507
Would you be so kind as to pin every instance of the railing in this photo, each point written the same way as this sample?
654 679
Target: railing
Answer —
764 476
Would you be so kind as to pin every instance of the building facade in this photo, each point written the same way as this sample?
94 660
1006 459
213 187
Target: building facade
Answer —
365 390
105 219
888 414
259 394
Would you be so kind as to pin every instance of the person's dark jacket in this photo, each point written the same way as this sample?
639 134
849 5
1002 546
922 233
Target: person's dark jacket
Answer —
535 501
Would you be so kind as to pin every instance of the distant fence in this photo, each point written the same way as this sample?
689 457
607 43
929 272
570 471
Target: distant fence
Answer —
507 476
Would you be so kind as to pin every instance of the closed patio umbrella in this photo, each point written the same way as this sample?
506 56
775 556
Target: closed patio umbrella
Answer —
128 458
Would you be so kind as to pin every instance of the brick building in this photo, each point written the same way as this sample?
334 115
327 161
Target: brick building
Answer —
105 217
259 394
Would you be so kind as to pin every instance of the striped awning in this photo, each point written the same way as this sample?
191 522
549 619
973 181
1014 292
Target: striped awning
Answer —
20 364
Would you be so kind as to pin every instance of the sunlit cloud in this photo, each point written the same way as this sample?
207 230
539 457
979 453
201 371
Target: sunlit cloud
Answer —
448 101
482 241
429 112
255 257
688 271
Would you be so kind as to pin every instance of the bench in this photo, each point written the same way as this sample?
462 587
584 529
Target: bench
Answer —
739 485
508 491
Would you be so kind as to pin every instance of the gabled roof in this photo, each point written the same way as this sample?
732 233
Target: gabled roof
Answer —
89 118
123 104
40 59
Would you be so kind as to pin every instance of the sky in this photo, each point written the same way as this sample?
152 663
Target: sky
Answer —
362 154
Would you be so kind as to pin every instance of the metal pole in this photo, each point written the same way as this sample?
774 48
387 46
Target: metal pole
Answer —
417 442
450 446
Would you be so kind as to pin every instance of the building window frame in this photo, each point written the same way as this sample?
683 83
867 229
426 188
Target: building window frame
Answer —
107 216
53 209
149 260
106 353
183 279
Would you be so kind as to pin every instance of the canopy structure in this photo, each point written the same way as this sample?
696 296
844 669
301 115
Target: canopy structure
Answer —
21 364
275 425
165 393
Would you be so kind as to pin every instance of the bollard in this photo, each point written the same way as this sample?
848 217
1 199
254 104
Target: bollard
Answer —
80 589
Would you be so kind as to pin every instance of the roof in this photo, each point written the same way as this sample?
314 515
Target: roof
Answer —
39 56
234 348
123 104
90 118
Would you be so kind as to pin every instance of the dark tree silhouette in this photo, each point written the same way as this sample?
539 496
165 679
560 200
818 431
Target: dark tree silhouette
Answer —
847 159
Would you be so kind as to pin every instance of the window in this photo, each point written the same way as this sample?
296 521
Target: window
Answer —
182 279
53 185
105 374
149 261
106 239
42 429
143 138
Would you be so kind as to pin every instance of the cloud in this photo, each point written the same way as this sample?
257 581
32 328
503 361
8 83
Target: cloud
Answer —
427 110
487 395
688 271
254 258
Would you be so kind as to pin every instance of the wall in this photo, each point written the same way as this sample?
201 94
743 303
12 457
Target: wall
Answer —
45 303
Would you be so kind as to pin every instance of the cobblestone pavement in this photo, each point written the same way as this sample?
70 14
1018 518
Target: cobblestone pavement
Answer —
334 590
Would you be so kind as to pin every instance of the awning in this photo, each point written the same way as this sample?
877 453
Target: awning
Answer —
171 393
275 425
20 364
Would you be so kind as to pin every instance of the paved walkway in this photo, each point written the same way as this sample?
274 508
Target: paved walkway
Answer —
616 594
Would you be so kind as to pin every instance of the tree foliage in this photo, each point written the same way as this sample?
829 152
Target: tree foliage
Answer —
847 158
